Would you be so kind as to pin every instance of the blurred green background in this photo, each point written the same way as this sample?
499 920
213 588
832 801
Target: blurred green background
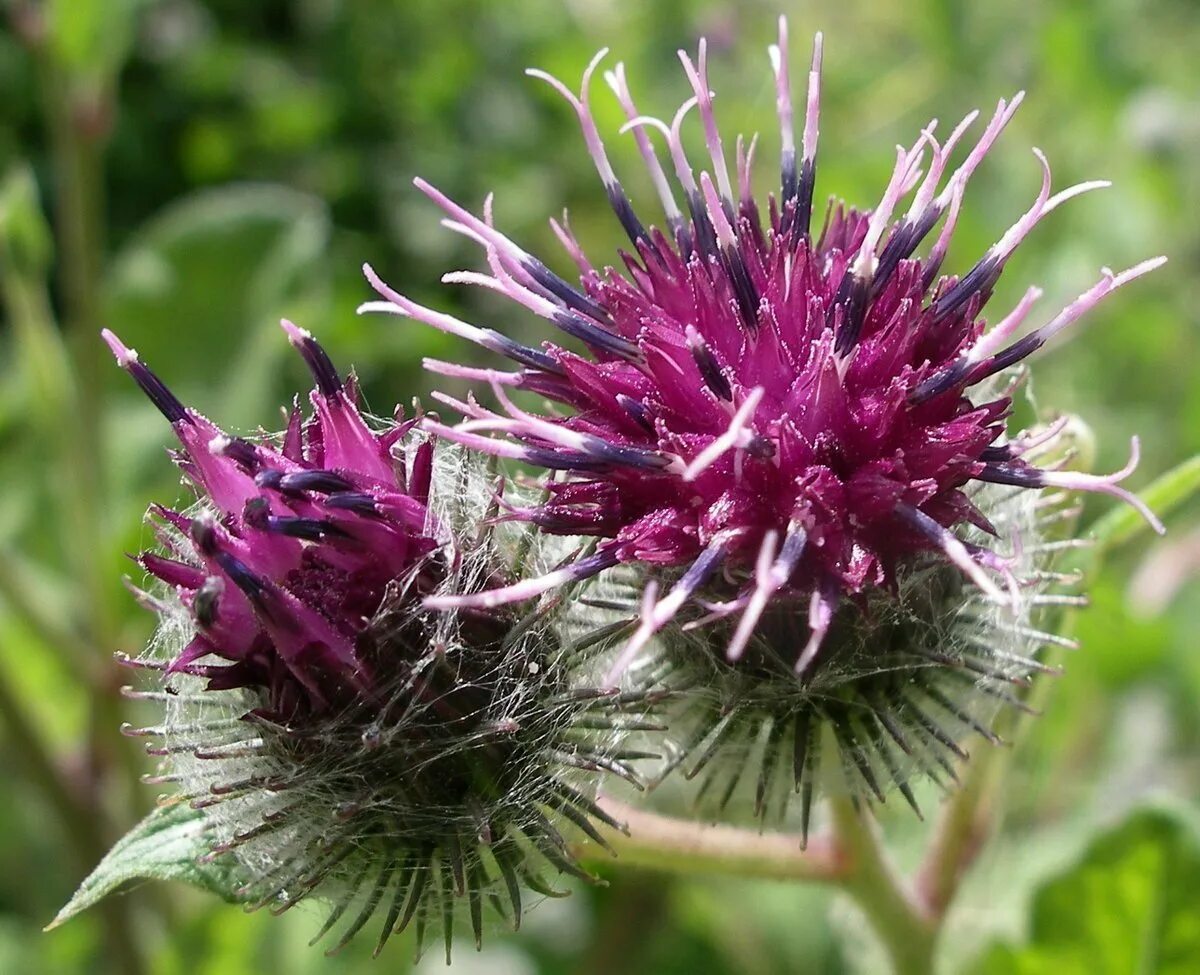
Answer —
187 172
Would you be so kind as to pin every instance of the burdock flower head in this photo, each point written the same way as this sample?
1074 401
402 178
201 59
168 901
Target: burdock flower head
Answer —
777 422
343 741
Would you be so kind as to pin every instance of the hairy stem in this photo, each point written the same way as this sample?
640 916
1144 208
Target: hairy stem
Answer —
852 860
658 842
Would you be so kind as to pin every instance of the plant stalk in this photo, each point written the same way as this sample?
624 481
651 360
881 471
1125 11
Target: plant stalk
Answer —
82 829
906 929
852 859
658 842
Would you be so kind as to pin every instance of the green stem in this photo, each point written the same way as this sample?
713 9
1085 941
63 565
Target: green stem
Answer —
852 860
626 924
906 929
77 142
82 829
657 842
969 816
76 116
85 636
963 828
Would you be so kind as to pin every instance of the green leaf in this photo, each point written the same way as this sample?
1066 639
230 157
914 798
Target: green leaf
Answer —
1123 524
166 845
1131 906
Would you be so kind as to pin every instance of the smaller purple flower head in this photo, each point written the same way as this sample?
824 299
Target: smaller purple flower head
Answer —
341 740
767 415
290 557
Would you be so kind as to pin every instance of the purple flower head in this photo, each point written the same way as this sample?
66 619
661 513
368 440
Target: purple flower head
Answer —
766 412
340 739
293 554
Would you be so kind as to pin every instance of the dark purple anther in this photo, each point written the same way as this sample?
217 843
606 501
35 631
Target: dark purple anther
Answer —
637 411
206 602
942 381
788 185
978 280
319 364
710 369
743 288
154 388
852 300
361 504
204 536
571 296
321 482
257 590
804 199
270 479
241 452
309 529
596 337
626 216
702 235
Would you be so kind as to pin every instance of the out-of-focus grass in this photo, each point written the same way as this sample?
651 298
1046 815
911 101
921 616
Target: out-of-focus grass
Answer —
257 154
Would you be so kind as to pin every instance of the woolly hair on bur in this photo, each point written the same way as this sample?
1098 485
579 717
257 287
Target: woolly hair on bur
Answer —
344 742
771 419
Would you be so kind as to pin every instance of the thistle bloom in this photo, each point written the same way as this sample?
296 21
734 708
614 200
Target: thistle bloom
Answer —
765 415
342 741
296 546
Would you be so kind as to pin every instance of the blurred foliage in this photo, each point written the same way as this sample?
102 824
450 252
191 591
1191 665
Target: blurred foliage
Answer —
188 172
1131 904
